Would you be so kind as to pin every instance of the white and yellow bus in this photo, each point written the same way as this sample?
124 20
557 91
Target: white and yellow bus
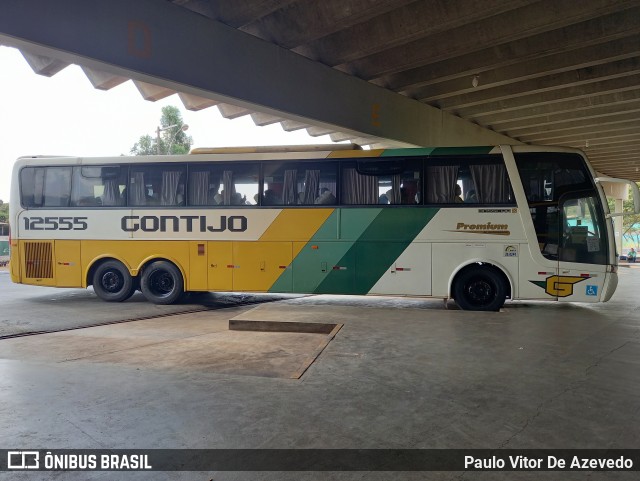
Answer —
477 224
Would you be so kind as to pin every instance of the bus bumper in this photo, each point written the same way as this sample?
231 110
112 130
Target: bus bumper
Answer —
14 262
610 285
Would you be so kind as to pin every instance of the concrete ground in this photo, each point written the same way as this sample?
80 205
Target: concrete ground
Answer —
400 373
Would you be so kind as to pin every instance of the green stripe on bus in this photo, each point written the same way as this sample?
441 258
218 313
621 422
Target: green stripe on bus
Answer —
326 248
407 152
380 244
462 150
346 224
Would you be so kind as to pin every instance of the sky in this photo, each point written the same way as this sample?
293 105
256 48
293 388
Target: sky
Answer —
65 115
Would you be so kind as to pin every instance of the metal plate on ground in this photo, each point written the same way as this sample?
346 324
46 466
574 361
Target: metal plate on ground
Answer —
198 341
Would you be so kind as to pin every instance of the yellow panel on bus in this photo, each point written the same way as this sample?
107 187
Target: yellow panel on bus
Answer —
296 224
220 266
257 265
197 280
67 264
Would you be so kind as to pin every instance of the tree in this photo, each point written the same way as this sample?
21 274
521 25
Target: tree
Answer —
4 212
173 140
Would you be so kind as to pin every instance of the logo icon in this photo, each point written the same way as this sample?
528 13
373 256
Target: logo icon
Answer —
488 228
592 290
511 251
560 286
23 460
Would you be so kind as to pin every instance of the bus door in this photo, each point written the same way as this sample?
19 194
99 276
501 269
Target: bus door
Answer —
582 247
538 259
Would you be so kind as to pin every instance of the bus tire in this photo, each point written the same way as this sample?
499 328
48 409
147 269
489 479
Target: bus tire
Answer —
112 282
162 283
480 289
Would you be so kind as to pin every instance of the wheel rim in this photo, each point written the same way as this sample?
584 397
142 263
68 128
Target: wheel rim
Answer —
161 283
112 281
480 292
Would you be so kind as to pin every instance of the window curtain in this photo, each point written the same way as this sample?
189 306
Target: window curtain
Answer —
137 193
228 187
492 184
290 188
441 184
111 195
198 188
311 186
38 186
396 197
169 191
358 188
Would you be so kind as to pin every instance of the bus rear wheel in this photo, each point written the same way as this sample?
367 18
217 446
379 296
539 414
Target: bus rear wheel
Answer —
112 282
480 289
162 283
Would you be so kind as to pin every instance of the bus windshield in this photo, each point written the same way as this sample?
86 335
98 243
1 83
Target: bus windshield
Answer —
563 201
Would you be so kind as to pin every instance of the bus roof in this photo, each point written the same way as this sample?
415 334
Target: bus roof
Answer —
275 149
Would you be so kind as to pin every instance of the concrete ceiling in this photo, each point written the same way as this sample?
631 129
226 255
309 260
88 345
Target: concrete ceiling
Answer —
551 72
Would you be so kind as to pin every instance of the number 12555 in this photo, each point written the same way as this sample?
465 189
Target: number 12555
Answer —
55 223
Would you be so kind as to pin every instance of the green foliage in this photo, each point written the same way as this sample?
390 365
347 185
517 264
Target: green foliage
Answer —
4 212
171 141
630 223
145 146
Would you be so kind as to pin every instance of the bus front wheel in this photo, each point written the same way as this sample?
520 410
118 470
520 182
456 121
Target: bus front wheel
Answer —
112 282
480 289
162 283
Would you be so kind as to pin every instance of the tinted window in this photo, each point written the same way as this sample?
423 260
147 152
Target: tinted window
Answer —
220 184
99 186
45 186
158 185
381 182
299 183
478 179
546 176
566 214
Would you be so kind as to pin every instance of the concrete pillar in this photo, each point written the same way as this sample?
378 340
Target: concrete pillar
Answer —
619 192
618 221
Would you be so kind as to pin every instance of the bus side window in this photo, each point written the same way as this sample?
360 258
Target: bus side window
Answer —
46 186
381 181
474 179
32 186
98 186
203 185
299 183
161 185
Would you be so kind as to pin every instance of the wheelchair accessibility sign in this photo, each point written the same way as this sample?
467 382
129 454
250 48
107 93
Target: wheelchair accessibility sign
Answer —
592 290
